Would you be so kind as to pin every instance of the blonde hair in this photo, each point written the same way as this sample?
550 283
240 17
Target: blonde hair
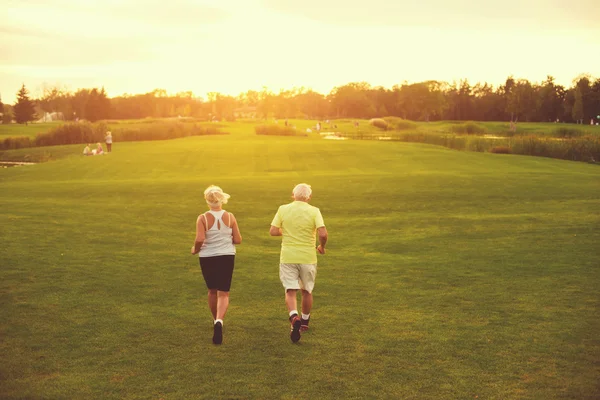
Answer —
302 191
215 196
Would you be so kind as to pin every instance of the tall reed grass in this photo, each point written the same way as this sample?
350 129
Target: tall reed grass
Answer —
567 132
585 148
85 132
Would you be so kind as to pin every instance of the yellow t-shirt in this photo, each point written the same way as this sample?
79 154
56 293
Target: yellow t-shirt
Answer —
299 222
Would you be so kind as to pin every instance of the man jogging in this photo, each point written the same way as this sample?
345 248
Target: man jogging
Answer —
298 222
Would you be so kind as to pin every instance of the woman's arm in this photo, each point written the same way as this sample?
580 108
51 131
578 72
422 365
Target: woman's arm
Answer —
237 236
200 235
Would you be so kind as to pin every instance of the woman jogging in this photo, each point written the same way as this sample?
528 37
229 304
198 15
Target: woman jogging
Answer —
217 233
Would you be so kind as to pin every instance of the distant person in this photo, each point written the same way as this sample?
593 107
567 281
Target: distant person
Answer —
87 151
298 222
217 233
108 141
98 150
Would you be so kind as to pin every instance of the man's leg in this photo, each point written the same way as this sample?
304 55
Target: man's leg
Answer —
291 302
307 302
288 274
308 274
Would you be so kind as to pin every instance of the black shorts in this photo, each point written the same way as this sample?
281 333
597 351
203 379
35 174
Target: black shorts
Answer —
217 272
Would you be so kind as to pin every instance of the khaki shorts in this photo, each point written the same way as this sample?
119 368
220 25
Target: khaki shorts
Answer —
298 276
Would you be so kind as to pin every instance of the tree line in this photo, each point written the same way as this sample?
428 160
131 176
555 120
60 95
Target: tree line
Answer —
514 100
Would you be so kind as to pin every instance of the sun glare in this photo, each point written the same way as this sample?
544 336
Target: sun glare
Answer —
237 46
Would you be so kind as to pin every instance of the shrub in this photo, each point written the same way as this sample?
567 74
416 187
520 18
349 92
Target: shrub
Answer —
13 143
500 150
276 130
400 124
379 123
73 133
164 131
469 128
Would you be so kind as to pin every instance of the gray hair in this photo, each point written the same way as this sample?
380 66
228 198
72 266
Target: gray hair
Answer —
302 191
215 196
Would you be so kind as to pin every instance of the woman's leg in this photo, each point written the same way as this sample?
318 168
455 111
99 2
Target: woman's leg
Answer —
222 304
226 264
213 302
208 272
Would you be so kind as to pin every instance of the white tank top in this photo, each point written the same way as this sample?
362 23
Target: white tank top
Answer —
219 238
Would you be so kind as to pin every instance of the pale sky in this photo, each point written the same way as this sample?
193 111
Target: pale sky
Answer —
230 46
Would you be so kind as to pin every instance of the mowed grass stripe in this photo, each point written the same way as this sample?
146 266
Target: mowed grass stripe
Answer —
448 274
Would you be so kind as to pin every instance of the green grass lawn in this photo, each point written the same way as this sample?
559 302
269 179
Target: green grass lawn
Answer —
31 129
448 275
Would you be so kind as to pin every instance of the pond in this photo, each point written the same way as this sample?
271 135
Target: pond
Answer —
8 164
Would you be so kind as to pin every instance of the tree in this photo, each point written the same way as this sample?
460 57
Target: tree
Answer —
352 100
222 106
79 102
98 105
487 103
58 100
312 104
434 102
595 99
521 101
266 103
7 115
583 85
506 91
24 108
549 100
577 111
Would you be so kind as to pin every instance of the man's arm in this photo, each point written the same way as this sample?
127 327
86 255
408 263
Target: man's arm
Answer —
322 231
276 225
